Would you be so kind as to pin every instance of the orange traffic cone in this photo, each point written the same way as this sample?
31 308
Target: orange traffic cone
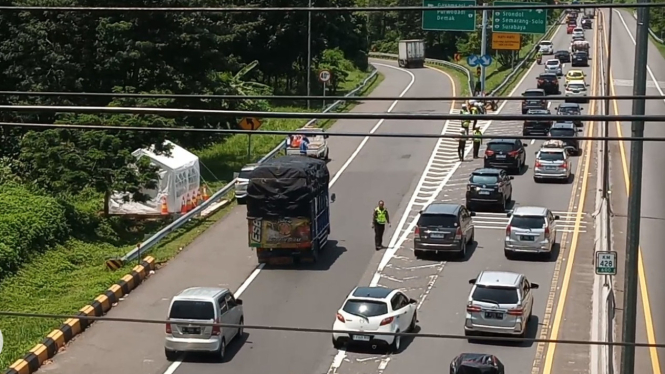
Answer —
184 206
165 208
188 201
199 199
205 193
194 202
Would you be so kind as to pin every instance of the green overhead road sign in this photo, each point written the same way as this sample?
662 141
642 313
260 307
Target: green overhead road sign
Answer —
519 21
449 20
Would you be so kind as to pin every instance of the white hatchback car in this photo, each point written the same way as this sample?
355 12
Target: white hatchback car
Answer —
374 309
546 47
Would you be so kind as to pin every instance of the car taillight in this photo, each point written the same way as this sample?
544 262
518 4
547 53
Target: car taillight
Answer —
538 164
563 166
216 330
513 153
540 81
340 318
458 233
508 228
386 321
489 152
555 81
416 231
168 328
547 231
515 312
472 309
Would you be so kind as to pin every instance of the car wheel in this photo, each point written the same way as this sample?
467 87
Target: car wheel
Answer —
241 329
221 352
170 355
462 251
472 238
418 253
414 321
327 155
508 254
337 344
396 344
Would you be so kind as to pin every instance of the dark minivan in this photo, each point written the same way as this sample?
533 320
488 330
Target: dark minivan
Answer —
534 98
549 82
489 187
534 126
567 129
505 154
443 227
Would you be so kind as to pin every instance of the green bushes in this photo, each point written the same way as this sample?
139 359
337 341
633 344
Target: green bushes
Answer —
29 224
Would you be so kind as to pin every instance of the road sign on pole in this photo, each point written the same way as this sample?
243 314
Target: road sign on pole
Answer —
520 21
606 263
449 20
472 60
324 76
510 42
485 60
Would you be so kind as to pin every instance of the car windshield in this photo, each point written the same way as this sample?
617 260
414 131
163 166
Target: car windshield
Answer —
500 147
576 86
553 62
575 74
527 222
551 156
580 54
484 179
189 309
499 295
365 308
562 132
438 220
533 93
568 110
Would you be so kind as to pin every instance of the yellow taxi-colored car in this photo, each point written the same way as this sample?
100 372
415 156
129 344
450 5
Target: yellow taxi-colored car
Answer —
574 75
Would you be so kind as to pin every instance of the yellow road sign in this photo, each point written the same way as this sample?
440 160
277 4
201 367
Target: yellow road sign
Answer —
250 124
503 41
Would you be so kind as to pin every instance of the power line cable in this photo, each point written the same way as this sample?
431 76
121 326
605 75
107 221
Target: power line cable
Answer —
325 9
322 331
312 133
303 98
319 115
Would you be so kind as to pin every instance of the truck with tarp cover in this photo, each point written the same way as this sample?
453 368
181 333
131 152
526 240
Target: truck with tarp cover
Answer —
288 210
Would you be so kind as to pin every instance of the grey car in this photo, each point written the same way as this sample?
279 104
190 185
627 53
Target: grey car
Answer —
500 302
202 305
554 66
242 180
530 230
443 227
552 164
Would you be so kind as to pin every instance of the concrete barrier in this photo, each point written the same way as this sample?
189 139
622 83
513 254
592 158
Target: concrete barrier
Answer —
58 338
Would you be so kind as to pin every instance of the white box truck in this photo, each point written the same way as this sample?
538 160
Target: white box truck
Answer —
411 53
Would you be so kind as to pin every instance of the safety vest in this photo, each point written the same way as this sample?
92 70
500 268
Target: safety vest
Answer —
476 136
295 141
474 110
380 216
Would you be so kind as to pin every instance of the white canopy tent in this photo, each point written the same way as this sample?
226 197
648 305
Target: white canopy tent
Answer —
179 177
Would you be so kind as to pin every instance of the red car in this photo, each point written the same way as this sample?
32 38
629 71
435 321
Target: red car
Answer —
569 29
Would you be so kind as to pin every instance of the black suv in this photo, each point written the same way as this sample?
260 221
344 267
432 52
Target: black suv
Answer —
534 98
570 109
489 187
443 227
587 24
505 154
567 129
580 58
533 126
562 56
549 82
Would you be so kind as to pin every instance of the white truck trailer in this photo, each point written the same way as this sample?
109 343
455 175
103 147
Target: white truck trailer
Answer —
411 53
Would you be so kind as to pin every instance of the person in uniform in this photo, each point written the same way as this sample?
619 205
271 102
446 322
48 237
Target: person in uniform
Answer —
465 122
380 218
477 141
461 144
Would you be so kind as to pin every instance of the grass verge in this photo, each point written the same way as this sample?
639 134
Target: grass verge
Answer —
68 277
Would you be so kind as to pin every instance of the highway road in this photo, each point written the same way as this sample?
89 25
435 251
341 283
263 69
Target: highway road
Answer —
442 287
366 171
651 301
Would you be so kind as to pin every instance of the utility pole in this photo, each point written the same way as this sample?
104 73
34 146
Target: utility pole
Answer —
483 49
309 52
606 143
635 193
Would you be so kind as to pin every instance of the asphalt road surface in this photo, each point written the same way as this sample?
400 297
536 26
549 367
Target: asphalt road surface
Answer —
384 168
651 300
442 286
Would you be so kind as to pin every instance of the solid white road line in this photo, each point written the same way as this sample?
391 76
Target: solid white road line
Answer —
243 287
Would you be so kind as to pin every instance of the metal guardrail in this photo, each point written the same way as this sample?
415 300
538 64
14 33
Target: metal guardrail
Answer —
136 253
469 75
431 61
653 34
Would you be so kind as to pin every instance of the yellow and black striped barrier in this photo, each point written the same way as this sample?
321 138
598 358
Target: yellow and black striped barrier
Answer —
114 264
57 339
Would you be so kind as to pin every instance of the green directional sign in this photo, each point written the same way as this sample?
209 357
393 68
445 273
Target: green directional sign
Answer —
449 19
519 21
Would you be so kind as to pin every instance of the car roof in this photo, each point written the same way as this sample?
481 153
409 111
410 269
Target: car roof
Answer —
569 105
497 141
575 71
561 51
371 292
499 278
547 74
553 59
442 208
576 81
546 41
563 125
200 293
486 171
538 111
529 211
